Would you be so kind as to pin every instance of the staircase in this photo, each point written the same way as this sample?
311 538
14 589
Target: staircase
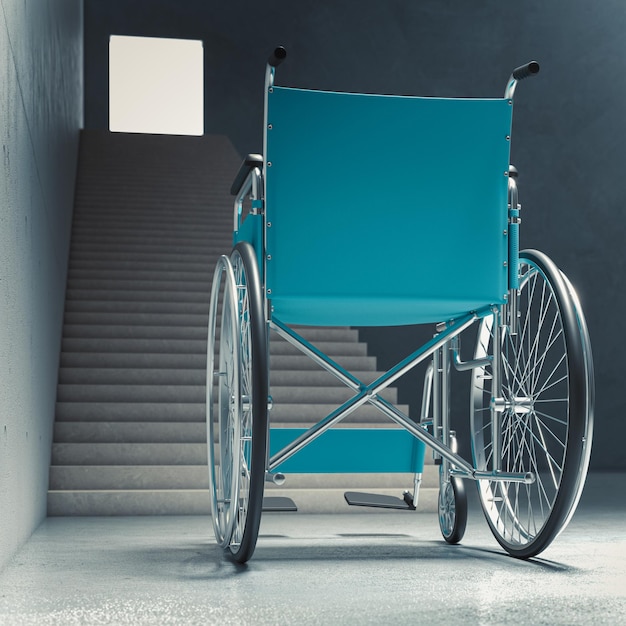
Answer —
152 215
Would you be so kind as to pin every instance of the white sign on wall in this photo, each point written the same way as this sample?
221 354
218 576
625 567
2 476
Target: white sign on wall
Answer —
156 86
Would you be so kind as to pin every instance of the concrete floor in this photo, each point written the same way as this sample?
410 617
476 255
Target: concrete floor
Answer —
372 568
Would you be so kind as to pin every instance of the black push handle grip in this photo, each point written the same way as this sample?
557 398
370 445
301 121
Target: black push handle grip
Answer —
277 57
249 163
524 71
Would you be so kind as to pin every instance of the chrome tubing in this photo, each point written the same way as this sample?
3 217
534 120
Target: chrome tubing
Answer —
495 391
253 185
519 73
460 467
464 366
365 393
427 393
445 407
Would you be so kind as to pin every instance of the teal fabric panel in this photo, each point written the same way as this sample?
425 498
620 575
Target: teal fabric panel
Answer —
351 450
385 210
251 230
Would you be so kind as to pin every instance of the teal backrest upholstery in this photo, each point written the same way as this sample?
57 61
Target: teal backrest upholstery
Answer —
384 210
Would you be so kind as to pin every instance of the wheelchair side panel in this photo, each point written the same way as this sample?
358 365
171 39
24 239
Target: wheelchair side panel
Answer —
351 450
251 230
384 210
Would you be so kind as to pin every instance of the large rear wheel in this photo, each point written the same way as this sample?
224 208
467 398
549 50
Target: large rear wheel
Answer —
543 408
237 396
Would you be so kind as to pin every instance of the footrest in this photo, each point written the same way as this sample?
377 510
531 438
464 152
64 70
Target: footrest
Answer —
354 498
279 504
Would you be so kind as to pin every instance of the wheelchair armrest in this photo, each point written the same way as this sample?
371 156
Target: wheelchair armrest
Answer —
249 163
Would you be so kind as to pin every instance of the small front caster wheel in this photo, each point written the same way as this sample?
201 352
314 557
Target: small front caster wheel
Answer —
452 509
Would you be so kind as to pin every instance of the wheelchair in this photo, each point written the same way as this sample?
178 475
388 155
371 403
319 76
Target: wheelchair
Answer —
377 210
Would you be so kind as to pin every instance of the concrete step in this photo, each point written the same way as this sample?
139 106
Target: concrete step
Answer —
197 502
201 273
338 349
124 453
134 331
122 325
301 414
129 502
197 393
99 259
129 295
147 432
129 453
76 320
106 477
130 432
129 412
179 376
137 307
291 362
121 330
222 243
131 360
132 284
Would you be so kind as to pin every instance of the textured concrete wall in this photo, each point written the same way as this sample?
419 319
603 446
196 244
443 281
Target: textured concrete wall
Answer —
40 115
569 124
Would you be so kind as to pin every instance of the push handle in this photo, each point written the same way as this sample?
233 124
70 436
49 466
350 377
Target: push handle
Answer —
249 163
524 71
277 57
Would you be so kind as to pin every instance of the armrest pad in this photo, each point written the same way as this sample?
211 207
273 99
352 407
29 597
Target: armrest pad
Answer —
249 163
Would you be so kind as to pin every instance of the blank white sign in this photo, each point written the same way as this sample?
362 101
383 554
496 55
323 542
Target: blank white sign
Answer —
156 86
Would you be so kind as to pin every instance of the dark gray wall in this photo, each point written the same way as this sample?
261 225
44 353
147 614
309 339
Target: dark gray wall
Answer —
568 134
41 112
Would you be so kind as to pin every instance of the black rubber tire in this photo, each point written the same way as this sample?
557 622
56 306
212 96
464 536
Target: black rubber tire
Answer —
222 414
255 419
548 383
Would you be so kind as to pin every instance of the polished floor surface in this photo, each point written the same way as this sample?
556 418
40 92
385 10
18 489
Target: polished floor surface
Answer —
359 568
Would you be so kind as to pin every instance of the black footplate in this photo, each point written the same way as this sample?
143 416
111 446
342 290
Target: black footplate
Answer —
354 498
279 504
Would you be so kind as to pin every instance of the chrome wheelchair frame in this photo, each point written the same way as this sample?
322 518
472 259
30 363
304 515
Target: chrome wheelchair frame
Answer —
531 409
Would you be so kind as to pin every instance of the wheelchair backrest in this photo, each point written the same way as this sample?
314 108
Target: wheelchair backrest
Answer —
384 210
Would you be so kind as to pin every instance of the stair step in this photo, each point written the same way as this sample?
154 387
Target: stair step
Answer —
295 362
168 346
106 477
138 307
129 412
198 231
195 412
194 346
161 325
119 453
171 286
135 330
201 274
197 502
78 320
179 376
196 394
80 255
90 259
130 432
149 432
129 502
129 295
139 359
